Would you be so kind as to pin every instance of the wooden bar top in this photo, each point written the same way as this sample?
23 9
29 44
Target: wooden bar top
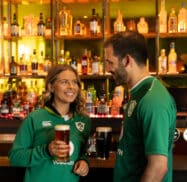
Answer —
179 162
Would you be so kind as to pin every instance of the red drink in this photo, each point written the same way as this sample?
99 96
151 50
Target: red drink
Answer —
62 132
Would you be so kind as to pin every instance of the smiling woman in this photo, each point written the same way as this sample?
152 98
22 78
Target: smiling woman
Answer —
35 146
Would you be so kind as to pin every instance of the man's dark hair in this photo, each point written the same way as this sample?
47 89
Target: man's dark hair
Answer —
131 43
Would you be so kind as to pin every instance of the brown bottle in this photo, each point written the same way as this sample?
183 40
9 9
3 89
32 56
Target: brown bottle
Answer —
14 26
84 63
41 26
13 66
93 23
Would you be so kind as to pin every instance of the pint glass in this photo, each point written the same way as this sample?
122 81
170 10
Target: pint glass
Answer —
62 133
103 141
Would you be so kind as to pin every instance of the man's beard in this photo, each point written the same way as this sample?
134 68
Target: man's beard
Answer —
120 76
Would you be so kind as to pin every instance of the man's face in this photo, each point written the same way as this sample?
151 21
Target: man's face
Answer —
115 66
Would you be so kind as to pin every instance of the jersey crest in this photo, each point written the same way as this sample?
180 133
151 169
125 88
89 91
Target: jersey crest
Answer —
131 107
80 125
46 123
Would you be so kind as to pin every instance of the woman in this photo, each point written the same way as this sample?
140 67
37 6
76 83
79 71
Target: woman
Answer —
35 147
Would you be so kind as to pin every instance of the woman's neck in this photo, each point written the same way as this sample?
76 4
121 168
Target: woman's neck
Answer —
62 108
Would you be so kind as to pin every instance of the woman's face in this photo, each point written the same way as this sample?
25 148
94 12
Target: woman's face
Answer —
65 88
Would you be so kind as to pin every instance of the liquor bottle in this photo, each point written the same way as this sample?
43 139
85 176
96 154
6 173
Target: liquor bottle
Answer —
48 27
117 100
102 105
13 66
172 22
93 23
23 65
14 26
84 63
61 57
172 59
89 101
77 28
41 26
63 21
99 24
41 63
83 93
142 26
32 94
79 66
89 62
67 57
182 19
118 24
162 62
163 18
34 63
69 23
46 66
73 63
95 65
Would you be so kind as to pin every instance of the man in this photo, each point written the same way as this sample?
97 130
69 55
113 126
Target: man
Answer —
145 146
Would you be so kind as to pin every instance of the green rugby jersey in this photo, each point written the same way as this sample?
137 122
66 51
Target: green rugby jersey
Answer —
148 129
30 146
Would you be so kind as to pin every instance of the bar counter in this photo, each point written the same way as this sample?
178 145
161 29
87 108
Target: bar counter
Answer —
179 162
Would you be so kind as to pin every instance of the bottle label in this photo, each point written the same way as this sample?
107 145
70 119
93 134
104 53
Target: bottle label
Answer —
41 30
77 28
15 30
93 26
13 70
84 62
95 68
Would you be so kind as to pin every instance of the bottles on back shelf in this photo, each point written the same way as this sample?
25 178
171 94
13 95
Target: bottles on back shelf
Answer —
89 62
117 100
46 66
41 26
172 22
182 18
95 65
142 26
73 63
13 66
162 62
6 103
118 24
163 18
14 26
67 57
84 63
48 27
34 63
172 59
77 28
41 63
79 65
93 23
23 65
89 100
102 107
65 22
61 57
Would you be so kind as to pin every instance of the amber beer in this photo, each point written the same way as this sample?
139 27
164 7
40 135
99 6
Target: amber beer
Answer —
103 141
62 132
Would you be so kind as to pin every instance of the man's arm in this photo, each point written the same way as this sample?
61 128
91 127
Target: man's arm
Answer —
156 168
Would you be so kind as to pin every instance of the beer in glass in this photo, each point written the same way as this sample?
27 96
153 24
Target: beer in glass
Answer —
62 133
103 141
